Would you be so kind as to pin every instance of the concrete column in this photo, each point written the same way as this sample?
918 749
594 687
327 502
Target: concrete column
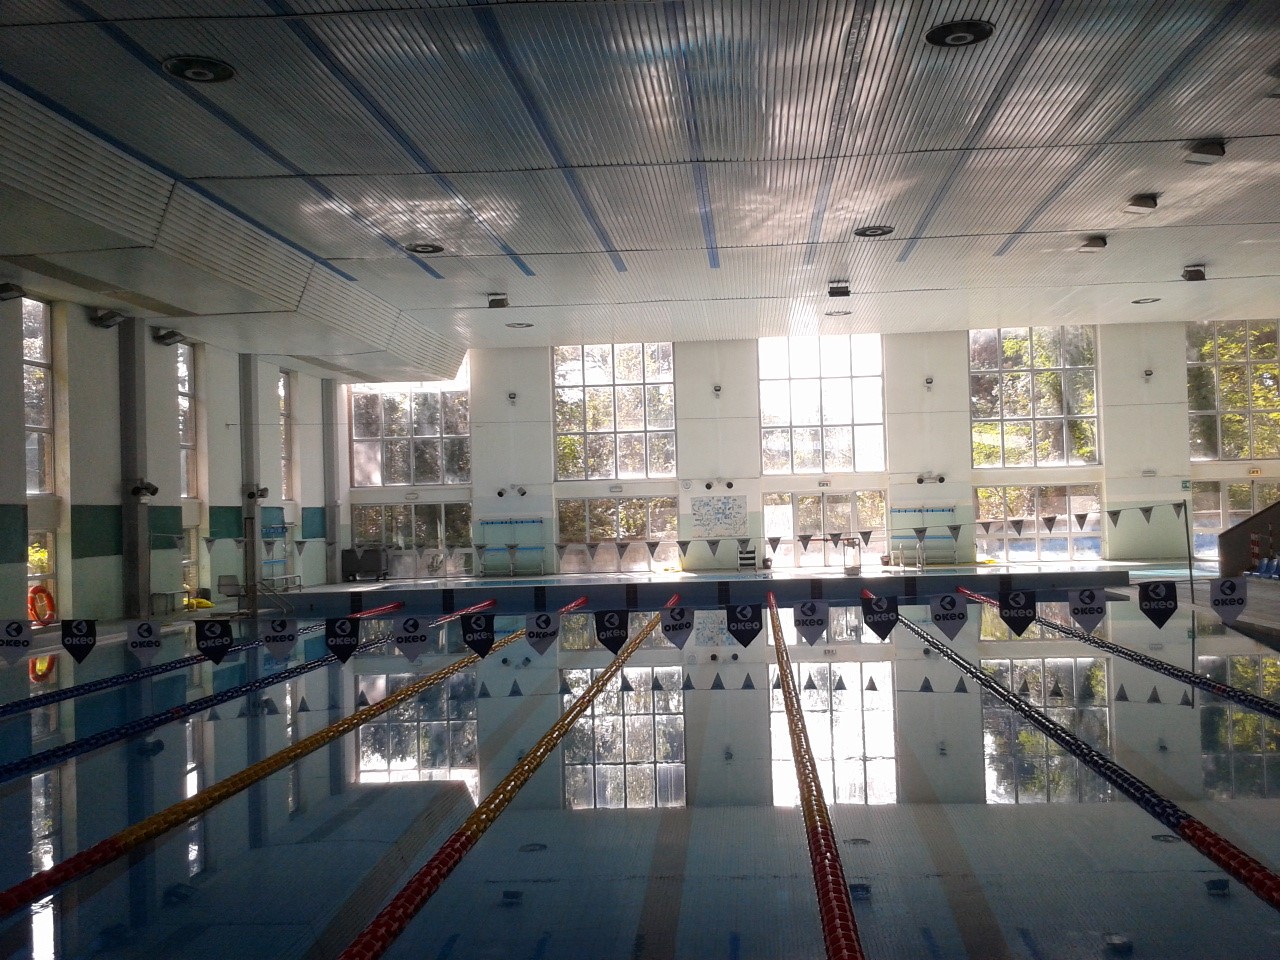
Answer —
332 498
135 522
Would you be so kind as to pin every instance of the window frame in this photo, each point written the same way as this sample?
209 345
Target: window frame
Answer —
1260 346
44 363
188 423
371 454
820 548
1034 529
285 389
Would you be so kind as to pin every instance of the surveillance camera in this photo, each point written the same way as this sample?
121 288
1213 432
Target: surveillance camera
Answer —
728 484
920 479
941 478
708 484
512 396
1147 373
502 491
928 381
521 490
262 493
717 388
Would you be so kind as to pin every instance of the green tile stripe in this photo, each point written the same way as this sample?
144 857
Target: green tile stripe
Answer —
226 522
271 516
97 530
166 527
312 523
13 533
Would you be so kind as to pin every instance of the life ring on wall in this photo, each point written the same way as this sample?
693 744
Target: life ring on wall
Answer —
40 606
42 669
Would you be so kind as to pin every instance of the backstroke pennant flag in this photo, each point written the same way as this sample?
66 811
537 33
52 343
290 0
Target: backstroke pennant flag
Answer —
410 635
949 613
1088 607
213 638
744 622
611 629
880 614
477 633
1158 600
677 624
79 637
342 636
280 638
541 630
1227 596
1018 609
810 619
144 640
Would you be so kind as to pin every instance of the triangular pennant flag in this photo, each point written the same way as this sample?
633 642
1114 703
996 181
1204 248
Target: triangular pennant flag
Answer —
773 543
960 686
653 547
269 548
1121 695
566 692
1024 689
804 539
747 683
1049 521
515 689
717 683
484 691
244 707
871 685
657 686
560 549
954 530
591 549
777 682
1177 508
303 706
714 545
362 700
209 542
839 685
1056 690
920 532
835 539
1080 520
809 684
866 536
1154 696
611 629
1158 600
1186 699
1114 517
1146 513
360 550
926 686
298 545
213 714
625 686
743 544
688 683
684 546
1016 523
239 542
985 525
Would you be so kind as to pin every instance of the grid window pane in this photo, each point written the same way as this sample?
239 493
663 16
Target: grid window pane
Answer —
424 431
1233 390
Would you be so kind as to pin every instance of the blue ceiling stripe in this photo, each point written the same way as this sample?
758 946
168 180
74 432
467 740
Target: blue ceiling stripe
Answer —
139 53
980 126
493 33
97 132
675 14
1171 73
839 126
324 54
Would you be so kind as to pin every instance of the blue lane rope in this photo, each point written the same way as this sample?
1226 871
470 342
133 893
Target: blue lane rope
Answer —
77 748
1207 684
14 707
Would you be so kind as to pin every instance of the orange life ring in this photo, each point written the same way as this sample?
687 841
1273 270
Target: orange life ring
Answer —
40 606
41 669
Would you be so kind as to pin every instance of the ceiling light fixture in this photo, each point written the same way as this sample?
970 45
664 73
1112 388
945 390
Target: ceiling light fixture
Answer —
838 288
11 291
959 33
882 230
1206 152
168 338
424 247
1146 300
106 319
837 313
497 301
519 325
1141 203
1193 272
199 69
1093 244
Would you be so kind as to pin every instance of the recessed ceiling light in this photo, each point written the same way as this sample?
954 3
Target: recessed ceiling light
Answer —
424 247
959 33
837 313
497 301
1141 203
1146 300
878 231
199 69
1193 272
1093 244
838 288
1206 152
519 325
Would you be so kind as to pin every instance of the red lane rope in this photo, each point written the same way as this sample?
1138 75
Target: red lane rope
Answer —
835 908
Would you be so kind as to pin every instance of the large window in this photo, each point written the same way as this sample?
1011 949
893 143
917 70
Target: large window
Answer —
1042 522
187 485
628 749
821 404
1218 504
1022 764
1240 748
411 433
815 517
628 521
284 387
1233 390
424 535
1033 396
46 850
430 737
37 388
40 559
615 411
848 711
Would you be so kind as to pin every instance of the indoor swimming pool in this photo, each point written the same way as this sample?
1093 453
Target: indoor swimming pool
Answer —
668 819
